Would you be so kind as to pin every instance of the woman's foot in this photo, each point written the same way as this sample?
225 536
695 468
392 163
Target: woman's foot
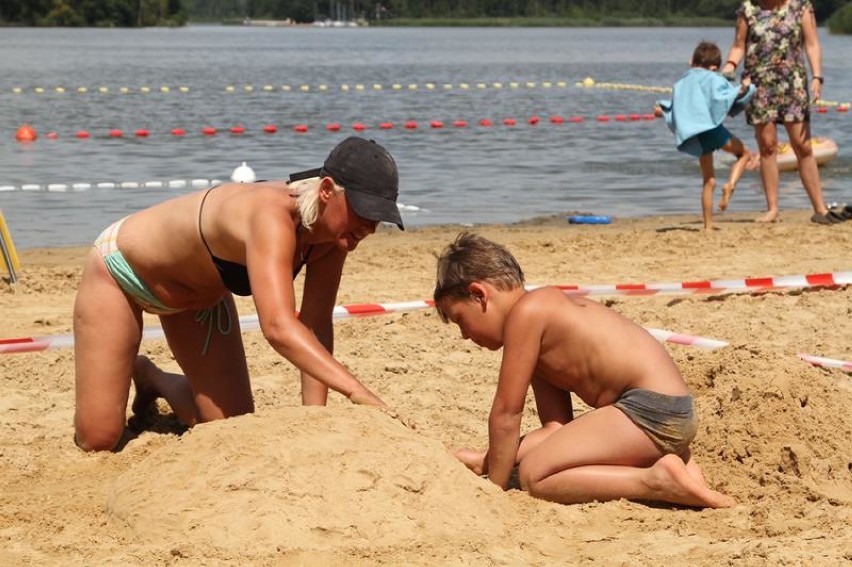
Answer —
146 395
769 216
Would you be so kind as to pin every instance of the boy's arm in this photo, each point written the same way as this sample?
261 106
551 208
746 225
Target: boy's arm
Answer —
521 344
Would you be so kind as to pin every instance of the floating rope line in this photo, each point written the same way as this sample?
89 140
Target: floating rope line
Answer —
587 83
408 125
301 88
83 186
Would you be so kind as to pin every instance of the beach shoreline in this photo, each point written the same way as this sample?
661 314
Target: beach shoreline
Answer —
293 486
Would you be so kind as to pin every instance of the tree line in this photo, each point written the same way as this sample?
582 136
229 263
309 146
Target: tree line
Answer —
178 12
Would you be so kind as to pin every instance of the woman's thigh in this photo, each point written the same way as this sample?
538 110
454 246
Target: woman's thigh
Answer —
107 332
210 352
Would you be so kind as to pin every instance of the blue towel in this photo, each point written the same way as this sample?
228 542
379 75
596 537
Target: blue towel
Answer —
701 100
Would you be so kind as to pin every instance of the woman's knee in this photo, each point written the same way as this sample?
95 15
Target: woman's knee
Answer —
92 435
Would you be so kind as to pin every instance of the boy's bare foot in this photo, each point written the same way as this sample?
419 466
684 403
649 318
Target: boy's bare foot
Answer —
671 481
727 193
769 216
472 459
146 395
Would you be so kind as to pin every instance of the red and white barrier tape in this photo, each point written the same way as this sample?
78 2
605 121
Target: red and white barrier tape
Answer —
826 362
712 286
251 322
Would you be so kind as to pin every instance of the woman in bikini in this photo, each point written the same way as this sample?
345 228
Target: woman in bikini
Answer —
184 258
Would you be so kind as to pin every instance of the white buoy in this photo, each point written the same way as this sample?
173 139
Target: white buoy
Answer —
243 174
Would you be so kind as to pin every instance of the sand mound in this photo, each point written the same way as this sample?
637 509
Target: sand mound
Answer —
313 479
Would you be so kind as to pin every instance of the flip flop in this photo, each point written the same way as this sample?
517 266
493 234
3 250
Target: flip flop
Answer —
828 218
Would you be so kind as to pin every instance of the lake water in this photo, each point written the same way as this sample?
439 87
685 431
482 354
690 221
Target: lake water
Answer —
474 174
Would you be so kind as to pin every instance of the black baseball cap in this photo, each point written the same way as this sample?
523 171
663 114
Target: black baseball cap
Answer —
368 174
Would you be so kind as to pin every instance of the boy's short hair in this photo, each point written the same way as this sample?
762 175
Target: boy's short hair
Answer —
707 55
473 258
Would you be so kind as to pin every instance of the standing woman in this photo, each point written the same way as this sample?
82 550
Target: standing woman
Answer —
773 37
182 260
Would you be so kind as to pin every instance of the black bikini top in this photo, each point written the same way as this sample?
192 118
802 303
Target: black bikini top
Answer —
233 275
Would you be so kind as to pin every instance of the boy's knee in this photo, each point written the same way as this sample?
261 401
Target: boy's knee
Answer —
527 478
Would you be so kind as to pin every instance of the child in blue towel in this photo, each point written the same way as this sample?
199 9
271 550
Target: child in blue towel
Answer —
701 100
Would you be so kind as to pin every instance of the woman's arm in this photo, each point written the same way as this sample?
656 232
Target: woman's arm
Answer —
737 51
322 281
270 250
813 51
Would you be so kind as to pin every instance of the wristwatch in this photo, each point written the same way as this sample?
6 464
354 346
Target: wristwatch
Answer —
819 78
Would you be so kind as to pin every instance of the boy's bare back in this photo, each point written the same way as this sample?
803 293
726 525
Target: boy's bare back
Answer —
586 348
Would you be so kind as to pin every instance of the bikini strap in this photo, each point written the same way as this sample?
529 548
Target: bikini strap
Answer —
200 209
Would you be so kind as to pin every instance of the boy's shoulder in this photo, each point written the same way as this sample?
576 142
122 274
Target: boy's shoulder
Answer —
541 300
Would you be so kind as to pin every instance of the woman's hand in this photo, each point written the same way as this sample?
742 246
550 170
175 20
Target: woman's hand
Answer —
816 89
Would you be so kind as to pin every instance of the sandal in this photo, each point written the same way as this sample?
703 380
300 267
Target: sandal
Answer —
828 218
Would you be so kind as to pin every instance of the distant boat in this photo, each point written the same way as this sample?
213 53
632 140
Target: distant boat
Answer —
269 23
336 24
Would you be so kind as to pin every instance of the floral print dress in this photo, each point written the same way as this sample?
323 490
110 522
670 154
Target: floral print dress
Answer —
775 62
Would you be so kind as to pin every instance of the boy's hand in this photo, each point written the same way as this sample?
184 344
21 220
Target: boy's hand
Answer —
658 112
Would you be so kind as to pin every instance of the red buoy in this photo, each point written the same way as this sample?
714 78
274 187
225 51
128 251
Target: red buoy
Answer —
237 130
142 133
460 124
556 120
270 128
386 125
178 132
115 133
82 134
332 127
301 128
411 124
359 127
533 120
26 133
208 131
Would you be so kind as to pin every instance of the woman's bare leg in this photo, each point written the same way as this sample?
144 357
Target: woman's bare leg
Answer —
800 140
767 142
107 333
217 383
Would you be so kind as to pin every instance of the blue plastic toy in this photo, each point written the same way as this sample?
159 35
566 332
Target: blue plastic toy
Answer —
590 219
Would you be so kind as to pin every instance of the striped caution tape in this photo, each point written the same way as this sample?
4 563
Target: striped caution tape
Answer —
252 322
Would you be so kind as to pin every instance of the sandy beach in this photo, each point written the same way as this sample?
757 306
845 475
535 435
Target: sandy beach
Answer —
347 485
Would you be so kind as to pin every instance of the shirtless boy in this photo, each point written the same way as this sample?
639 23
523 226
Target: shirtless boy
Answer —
633 443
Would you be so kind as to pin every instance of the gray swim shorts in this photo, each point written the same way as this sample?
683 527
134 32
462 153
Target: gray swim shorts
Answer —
669 421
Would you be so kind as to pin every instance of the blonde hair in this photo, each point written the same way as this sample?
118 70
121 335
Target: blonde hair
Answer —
473 258
307 191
